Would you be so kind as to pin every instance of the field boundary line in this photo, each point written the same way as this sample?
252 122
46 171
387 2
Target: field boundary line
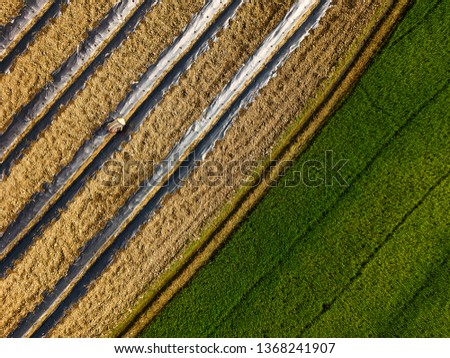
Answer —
293 142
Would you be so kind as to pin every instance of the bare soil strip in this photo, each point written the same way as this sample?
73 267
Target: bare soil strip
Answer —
86 113
185 215
182 105
269 48
97 39
146 86
10 10
29 14
52 45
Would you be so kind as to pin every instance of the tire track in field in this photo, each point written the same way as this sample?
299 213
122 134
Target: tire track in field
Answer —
359 176
372 102
115 26
368 260
52 12
29 14
158 79
203 134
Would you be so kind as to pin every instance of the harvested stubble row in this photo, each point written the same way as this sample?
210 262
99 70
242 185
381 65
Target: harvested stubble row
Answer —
76 122
185 214
52 46
49 258
9 10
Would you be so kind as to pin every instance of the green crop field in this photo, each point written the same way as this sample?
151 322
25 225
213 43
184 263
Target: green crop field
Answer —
367 259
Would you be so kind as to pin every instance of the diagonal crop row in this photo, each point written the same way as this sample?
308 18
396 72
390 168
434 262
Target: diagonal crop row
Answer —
183 51
114 24
252 76
12 32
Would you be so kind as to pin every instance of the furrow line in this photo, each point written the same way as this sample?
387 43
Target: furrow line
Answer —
110 28
23 23
197 141
93 154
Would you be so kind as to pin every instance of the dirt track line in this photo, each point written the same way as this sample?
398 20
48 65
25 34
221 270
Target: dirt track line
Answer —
100 250
13 31
336 202
110 28
327 306
94 152
53 11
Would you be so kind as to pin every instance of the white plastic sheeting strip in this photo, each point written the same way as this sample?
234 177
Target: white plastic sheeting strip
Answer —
67 72
151 78
294 18
11 31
